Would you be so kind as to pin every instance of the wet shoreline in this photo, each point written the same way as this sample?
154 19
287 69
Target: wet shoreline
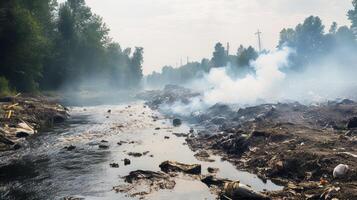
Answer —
85 170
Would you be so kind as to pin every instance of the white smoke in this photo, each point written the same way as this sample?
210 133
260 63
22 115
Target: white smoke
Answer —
332 77
264 84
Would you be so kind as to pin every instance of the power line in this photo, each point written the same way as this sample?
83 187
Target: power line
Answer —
259 40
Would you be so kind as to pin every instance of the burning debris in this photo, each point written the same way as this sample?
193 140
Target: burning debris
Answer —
295 145
169 95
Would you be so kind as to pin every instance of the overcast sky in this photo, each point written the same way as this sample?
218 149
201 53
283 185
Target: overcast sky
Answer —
173 29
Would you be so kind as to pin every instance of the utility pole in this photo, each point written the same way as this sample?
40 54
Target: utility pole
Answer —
259 40
227 49
187 60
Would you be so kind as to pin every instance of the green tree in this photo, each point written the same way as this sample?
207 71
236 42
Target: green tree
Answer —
136 66
23 44
246 55
352 16
333 28
219 56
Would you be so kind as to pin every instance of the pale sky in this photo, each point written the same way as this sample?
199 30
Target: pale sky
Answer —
173 29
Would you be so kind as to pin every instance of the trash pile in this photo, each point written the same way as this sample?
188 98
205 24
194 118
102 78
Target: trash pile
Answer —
23 116
310 149
169 95
142 183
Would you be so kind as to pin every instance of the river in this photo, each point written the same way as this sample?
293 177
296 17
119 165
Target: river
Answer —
44 169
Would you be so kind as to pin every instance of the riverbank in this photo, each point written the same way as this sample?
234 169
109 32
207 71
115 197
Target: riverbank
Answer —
294 145
22 116
90 155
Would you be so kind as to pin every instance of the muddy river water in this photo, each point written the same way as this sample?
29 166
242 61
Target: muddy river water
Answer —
45 170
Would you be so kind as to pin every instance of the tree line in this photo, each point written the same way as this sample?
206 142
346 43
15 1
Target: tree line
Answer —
239 64
308 39
46 45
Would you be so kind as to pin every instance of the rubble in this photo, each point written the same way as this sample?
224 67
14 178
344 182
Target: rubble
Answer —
228 189
142 183
70 148
22 116
203 156
135 154
126 161
289 143
172 166
212 170
169 95
176 122
114 165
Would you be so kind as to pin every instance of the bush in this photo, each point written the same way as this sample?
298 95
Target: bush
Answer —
4 86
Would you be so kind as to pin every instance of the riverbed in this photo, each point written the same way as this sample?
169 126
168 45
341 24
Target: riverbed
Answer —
46 169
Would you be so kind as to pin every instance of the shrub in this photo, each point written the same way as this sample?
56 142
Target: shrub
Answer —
4 86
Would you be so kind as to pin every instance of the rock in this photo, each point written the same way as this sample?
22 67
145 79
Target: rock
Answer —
145 182
176 122
166 137
213 181
157 128
22 134
104 141
121 143
70 148
135 154
58 118
126 161
192 130
109 111
114 165
180 134
352 123
103 146
172 166
212 170
16 146
259 134
340 171
203 156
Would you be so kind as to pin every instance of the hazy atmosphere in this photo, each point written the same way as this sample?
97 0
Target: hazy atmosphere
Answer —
178 99
174 29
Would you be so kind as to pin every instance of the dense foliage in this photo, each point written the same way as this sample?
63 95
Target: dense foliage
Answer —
47 46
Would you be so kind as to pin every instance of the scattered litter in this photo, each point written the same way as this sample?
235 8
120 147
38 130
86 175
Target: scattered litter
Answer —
172 166
340 171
